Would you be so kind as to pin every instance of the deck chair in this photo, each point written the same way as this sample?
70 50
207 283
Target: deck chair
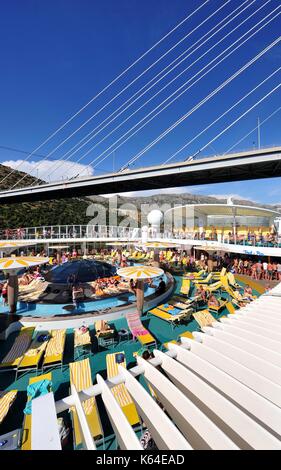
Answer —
218 308
26 435
214 287
195 275
138 331
185 334
55 349
217 275
172 319
205 280
34 353
82 343
230 308
6 401
227 287
103 328
179 304
171 309
81 378
15 355
120 392
204 318
185 287
232 282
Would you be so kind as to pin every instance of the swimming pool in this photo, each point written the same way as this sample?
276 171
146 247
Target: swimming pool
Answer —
48 310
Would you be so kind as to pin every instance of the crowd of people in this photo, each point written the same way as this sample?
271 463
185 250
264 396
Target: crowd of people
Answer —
260 270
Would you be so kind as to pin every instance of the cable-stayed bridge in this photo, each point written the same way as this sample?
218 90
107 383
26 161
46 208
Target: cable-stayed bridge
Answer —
253 164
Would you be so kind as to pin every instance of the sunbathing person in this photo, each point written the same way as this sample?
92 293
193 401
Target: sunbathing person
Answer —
248 293
213 301
201 294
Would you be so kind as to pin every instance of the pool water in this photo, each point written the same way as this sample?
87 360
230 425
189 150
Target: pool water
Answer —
48 310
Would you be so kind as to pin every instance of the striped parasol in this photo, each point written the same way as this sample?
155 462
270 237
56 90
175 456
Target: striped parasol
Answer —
19 262
161 245
140 272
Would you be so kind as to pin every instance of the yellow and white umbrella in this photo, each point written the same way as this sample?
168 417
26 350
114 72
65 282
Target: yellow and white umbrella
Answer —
160 245
139 273
8 247
19 262
118 243
13 265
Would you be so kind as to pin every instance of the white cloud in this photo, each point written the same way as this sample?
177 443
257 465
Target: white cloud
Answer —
50 170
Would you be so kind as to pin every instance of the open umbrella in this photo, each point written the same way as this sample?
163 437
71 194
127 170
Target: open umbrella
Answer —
159 246
8 247
14 264
139 274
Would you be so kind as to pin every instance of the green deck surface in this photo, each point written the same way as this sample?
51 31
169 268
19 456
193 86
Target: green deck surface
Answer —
160 329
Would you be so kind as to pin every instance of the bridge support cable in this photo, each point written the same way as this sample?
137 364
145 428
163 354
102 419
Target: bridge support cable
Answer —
213 93
113 147
113 82
221 116
125 106
251 131
110 149
239 118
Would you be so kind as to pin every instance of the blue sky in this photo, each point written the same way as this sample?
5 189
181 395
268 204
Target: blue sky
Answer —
57 55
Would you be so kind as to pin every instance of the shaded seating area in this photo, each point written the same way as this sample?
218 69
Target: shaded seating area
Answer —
81 378
120 392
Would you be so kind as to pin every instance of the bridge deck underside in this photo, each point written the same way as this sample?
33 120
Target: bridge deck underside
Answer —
205 171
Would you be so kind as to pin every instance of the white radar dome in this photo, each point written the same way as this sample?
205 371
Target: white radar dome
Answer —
155 217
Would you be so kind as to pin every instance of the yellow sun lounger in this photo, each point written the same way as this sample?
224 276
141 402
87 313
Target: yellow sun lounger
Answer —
34 353
120 392
55 349
204 318
218 308
6 401
185 287
172 319
81 378
214 287
14 356
230 308
227 287
196 273
205 280
185 334
232 281
147 340
26 435
218 274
